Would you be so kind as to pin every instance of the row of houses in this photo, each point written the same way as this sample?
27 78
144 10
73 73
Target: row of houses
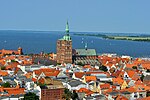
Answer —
125 79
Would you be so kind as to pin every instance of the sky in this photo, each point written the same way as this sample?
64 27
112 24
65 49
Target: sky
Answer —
83 15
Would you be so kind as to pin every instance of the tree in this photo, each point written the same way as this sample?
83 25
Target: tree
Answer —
41 85
31 96
103 68
148 70
6 85
148 94
80 63
134 67
13 61
74 95
142 77
58 63
3 68
69 95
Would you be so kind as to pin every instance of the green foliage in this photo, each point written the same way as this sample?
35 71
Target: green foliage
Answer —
31 96
148 94
31 54
80 63
103 68
134 67
3 68
95 34
69 95
58 63
40 84
74 95
148 70
13 61
142 77
6 85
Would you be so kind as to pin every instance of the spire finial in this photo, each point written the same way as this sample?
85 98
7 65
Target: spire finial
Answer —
67 27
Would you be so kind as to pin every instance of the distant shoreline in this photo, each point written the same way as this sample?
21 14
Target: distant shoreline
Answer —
145 38
130 38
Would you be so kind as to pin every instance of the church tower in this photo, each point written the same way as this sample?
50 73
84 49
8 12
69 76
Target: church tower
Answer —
20 51
64 48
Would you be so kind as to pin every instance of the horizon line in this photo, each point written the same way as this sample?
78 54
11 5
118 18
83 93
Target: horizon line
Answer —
71 31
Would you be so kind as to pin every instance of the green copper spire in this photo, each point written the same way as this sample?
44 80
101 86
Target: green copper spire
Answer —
67 36
67 27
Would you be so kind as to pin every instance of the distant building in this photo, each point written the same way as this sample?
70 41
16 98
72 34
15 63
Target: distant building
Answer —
11 52
52 93
85 56
64 48
20 51
54 90
85 52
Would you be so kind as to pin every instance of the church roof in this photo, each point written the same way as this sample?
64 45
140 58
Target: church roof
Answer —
86 52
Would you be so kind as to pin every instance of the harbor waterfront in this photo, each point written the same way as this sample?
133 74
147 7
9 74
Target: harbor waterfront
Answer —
70 72
37 41
74 72
74 50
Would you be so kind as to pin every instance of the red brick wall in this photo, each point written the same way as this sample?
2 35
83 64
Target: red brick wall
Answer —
64 51
52 94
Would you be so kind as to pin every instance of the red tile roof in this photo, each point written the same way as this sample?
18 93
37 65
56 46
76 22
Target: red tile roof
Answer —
34 79
130 65
87 66
13 91
86 91
12 65
9 52
41 80
29 74
118 81
108 91
90 78
79 74
146 65
3 73
133 74
47 71
116 74
120 97
105 86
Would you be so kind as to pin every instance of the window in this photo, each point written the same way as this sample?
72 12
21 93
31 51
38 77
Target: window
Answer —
141 95
135 95
68 43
